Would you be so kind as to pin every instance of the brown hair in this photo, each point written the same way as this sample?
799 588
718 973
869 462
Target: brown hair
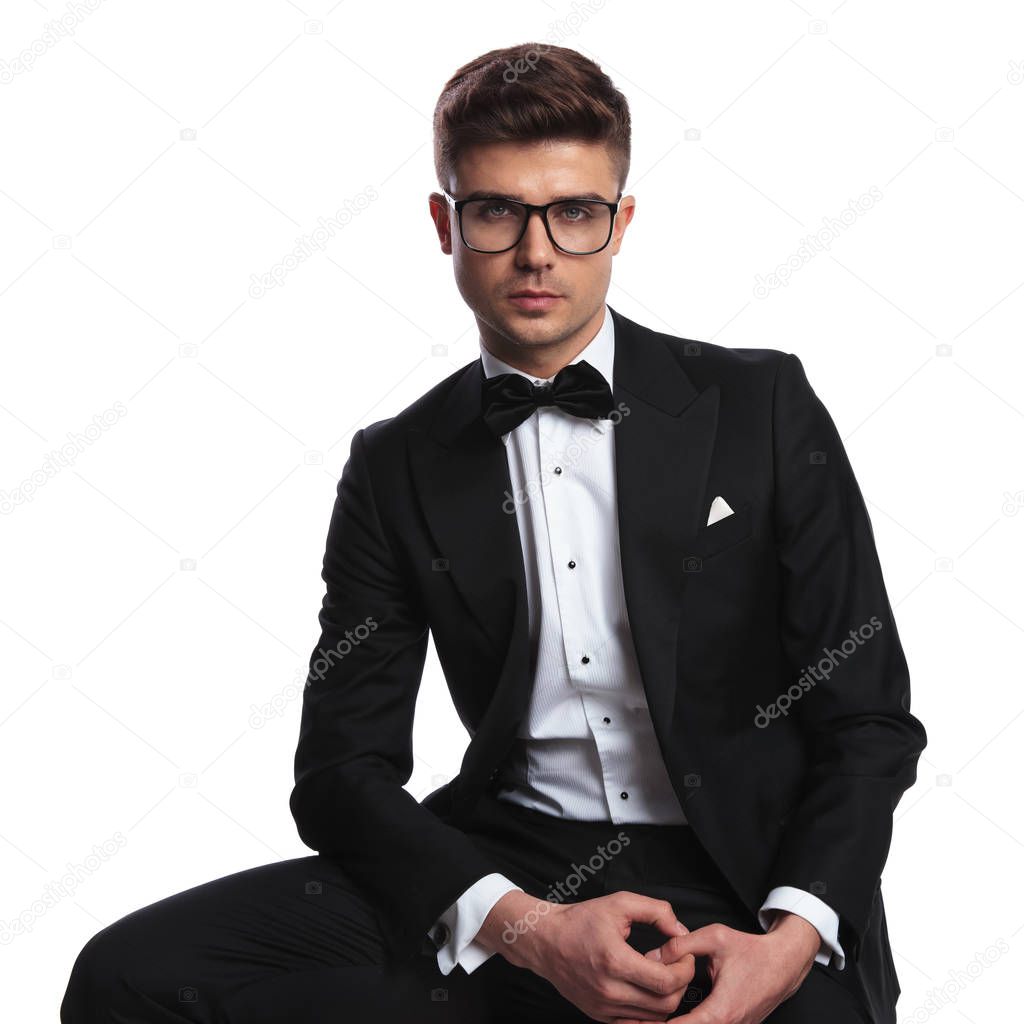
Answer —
527 93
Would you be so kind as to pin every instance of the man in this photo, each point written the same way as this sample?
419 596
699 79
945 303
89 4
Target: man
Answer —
653 589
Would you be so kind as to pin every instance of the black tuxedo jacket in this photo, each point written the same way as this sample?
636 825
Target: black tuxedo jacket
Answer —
725 619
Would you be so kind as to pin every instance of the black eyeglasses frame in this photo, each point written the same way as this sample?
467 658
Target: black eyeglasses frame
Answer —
542 208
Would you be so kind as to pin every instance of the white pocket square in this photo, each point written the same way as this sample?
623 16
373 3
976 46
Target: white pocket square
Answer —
719 510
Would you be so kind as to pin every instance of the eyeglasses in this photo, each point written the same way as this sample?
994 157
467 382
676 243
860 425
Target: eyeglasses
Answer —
493 224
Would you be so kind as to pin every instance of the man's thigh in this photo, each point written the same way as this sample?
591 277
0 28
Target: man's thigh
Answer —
820 998
293 940
290 941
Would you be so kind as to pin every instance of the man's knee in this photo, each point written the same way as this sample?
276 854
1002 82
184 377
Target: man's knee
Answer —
99 976
140 966
183 957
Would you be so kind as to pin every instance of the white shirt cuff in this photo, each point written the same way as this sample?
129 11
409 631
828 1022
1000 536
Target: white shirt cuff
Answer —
810 908
462 920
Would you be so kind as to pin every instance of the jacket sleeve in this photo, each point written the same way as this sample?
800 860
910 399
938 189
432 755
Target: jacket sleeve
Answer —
839 638
354 752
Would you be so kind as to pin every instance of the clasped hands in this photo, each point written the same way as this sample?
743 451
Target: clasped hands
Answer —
581 949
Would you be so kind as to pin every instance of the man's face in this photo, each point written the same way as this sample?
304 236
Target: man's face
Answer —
536 172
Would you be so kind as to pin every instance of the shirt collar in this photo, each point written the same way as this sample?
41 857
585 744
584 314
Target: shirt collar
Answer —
599 352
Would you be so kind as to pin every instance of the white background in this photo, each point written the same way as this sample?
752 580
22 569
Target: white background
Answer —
130 674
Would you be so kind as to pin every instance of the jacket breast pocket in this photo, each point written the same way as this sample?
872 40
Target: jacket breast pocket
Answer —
724 534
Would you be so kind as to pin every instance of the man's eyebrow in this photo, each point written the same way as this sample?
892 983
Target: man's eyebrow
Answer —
517 197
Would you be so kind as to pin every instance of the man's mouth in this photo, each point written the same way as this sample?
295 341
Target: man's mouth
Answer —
530 298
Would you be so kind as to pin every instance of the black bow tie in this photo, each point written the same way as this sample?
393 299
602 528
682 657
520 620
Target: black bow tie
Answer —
579 388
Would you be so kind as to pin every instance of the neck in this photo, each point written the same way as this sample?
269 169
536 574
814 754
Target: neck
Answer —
543 359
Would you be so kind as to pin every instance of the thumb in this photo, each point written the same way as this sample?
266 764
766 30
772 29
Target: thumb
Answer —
702 942
647 910
667 953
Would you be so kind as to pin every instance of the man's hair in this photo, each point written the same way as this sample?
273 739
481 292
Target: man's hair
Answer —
527 93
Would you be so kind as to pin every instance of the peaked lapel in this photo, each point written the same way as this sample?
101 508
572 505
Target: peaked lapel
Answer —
663 445
663 450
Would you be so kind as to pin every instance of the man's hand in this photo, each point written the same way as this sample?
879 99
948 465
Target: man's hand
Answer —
751 974
581 949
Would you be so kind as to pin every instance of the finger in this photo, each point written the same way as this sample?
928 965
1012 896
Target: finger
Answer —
657 990
636 1018
650 911
639 1020
696 1016
633 1003
637 1015
702 942
644 972
668 952
666 955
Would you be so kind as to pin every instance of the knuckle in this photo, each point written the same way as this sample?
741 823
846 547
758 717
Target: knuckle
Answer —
617 965
652 983
662 985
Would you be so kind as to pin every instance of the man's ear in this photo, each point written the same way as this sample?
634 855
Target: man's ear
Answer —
627 208
439 213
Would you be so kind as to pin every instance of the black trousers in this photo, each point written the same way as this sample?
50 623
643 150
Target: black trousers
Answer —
296 942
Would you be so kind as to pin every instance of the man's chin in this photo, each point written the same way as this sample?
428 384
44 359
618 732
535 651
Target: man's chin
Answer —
534 331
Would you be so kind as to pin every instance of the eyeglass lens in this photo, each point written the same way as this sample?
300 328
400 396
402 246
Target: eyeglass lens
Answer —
494 224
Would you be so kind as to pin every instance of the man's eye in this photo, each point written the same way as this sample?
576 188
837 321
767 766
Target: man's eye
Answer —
489 210
574 213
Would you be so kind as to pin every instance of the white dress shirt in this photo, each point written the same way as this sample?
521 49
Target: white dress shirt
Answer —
586 747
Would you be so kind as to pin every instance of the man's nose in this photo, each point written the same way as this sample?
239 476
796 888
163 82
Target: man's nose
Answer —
535 246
